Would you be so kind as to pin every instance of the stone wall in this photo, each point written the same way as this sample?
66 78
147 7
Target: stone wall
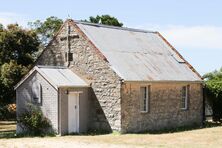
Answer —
164 107
53 54
89 64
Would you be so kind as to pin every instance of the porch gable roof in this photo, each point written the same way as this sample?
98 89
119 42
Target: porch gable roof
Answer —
56 76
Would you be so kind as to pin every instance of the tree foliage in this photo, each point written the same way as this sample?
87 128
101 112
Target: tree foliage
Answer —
105 19
17 44
46 29
213 83
17 47
1 27
11 73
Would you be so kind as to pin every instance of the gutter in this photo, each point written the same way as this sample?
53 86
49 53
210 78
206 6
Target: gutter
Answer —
73 86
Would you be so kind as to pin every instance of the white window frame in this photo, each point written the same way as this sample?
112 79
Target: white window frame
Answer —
186 97
39 95
147 100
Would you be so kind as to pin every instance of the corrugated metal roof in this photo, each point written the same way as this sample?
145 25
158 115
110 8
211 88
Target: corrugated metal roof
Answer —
56 76
61 77
138 55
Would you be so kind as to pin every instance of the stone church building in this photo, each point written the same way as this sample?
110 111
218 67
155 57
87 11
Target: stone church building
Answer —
98 77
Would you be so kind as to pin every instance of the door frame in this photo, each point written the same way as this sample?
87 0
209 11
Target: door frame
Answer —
78 105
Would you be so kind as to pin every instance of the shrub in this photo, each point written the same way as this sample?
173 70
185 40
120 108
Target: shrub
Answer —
213 83
33 122
215 99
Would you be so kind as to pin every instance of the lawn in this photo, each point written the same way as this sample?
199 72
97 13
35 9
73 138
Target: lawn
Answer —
7 129
204 137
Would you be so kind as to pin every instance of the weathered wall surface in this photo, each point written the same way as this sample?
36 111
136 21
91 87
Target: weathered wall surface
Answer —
164 107
54 53
84 108
88 64
49 104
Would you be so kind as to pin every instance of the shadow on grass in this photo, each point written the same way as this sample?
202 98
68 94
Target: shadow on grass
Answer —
12 134
90 133
206 124
7 134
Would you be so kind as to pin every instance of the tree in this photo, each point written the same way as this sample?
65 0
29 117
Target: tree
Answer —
1 27
46 29
11 73
17 47
105 19
213 81
17 44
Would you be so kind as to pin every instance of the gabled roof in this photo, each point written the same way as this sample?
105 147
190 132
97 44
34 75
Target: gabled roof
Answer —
139 55
57 77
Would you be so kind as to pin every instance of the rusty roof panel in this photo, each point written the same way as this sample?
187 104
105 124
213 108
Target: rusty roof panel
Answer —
137 55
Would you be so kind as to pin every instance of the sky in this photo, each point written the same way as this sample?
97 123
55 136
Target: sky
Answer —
193 27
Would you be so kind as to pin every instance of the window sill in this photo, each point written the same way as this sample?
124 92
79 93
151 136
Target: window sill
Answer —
143 112
184 109
37 103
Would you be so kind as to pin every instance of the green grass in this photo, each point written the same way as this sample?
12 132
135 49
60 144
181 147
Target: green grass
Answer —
207 124
207 136
116 133
7 129
7 134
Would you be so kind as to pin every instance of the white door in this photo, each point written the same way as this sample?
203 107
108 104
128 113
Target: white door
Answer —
73 113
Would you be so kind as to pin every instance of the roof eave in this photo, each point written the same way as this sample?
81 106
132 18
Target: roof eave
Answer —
73 86
163 81
25 77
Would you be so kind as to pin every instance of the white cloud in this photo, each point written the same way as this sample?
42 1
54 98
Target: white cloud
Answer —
189 37
10 17
195 37
200 45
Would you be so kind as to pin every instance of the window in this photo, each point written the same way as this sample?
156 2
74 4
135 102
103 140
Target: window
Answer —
36 93
68 56
144 96
184 97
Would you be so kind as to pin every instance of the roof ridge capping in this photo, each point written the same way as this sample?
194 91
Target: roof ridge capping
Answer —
112 27
51 67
